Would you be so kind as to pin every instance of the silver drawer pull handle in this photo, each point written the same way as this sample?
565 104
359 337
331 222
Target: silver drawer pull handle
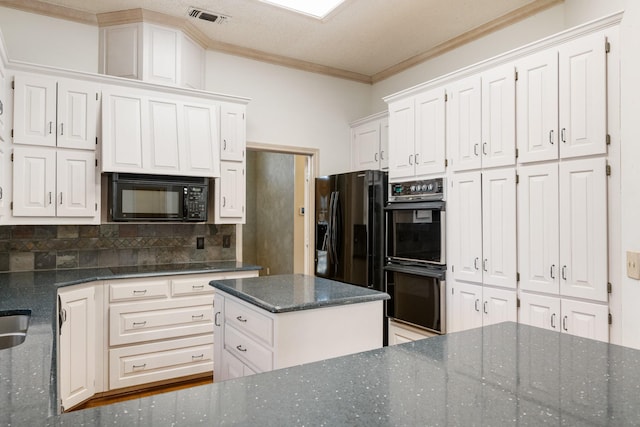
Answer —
241 348
61 129
144 365
553 320
135 324
142 292
197 357
50 127
198 317
551 136
241 319
197 287
564 323
215 319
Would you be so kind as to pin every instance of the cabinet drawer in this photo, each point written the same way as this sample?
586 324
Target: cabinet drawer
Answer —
140 364
249 321
136 322
191 286
138 290
248 350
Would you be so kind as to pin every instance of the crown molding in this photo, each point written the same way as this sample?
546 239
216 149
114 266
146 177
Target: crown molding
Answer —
51 10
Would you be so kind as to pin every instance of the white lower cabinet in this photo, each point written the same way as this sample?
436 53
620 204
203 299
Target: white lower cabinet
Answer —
472 306
254 340
79 343
131 332
399 333
584 319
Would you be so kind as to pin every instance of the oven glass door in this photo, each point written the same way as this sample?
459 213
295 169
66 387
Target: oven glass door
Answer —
416 232
148 201
416 299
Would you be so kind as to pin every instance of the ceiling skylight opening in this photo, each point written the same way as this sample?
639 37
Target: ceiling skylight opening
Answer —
317 8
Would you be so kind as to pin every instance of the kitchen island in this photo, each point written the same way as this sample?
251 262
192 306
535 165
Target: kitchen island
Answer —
505 374
274 322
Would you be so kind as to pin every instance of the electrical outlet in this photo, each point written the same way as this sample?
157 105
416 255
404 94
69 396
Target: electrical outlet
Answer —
633 265
199 242
226 241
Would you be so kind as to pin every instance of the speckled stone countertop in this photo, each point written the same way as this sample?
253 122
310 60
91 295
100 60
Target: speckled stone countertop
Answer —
27 371
294 292
506 374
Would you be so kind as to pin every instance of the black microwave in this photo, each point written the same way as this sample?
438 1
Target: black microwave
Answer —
141 197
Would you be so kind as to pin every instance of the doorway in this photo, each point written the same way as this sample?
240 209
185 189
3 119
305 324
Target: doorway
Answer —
279 192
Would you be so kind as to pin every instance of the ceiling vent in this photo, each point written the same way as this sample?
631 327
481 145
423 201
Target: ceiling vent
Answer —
217 18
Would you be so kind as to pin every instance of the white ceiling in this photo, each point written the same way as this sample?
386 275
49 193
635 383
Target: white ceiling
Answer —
371 39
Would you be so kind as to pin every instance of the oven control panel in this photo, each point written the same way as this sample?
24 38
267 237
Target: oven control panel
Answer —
424 189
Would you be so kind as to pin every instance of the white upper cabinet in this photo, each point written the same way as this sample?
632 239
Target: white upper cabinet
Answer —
583 96
55 113
152 53
230 193
232 132
49 183
562 101
146 132
370 143
537 107
464 123
3 102
122 130
417 135
499 117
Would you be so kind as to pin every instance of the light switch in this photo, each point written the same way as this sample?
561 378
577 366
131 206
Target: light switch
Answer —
633 265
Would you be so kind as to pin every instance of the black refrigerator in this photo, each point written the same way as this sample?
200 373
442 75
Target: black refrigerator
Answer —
350 227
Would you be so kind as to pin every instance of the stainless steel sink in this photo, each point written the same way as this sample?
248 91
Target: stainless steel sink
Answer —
13 327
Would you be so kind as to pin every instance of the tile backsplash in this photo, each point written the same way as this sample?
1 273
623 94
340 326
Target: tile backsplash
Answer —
50 247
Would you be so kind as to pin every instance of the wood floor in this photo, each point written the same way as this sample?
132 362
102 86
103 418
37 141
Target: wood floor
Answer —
135 394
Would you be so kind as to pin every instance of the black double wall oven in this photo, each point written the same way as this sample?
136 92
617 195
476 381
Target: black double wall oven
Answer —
415 262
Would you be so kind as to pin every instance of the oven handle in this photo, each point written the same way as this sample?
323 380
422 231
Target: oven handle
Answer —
419 271
395 206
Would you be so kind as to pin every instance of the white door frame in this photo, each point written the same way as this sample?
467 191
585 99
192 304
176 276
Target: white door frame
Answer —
313 163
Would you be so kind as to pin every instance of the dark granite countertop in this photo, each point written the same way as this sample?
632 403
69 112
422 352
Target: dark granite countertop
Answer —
506 374
27 371
294 292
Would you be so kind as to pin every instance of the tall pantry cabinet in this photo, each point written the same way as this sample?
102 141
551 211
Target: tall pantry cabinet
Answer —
562 194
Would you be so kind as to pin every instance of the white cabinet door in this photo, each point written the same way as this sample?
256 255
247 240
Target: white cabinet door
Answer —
160 55
583 96
120 53
365 142
163 136
467 307
200 141
498 306
77 114
76 179
401 138
4 180
218 333
34 114
3 104
583 229
230 191
499 117
34 182
192 57
77 346
585 319
466 195
122 127
499 262
464 124
538 233
430 132
539 310
537 107
232 132
384 143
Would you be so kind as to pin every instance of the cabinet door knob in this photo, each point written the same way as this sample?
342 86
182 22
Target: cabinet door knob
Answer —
241 348
61 129
215 319
484 264
375 157
475 263
50 127
241 319
553 320
411 159
564 272
476 304
417 158
382 155
563 136
552 271
224 201
484 307
551 136
564 323
475 150
484 146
